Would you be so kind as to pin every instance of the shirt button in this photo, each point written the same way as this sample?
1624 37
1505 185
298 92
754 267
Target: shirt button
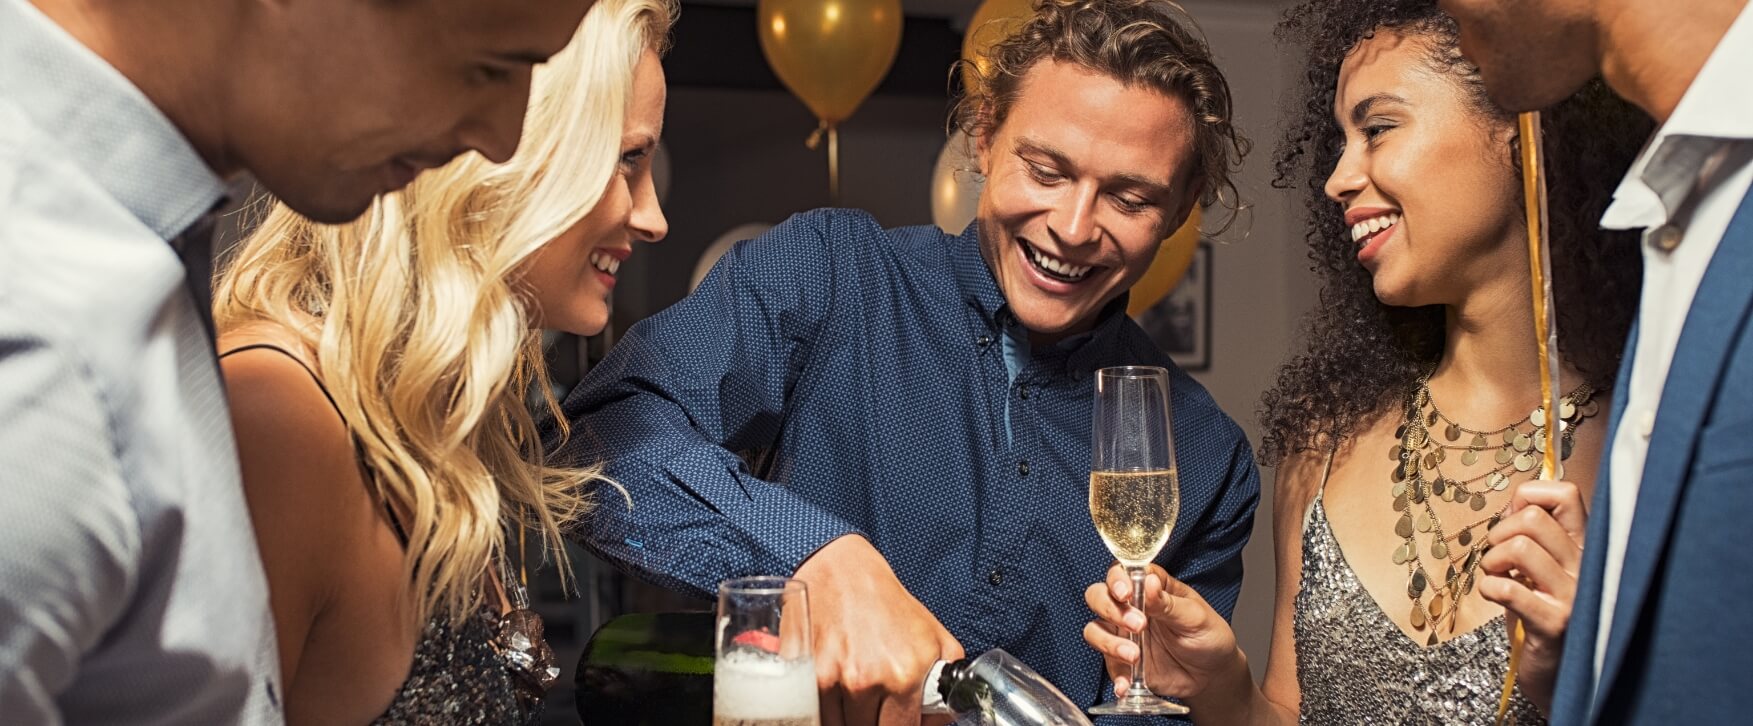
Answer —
996 577
983 341
1666 237
1022 392
1646 424
1022 467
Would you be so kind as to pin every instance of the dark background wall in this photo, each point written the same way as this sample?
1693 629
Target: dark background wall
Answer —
735 138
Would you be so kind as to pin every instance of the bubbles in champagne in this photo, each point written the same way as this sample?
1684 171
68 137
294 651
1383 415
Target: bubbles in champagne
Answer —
755 689
1134 512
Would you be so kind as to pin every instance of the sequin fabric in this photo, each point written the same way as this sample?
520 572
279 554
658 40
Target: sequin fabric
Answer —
458 678
1355 666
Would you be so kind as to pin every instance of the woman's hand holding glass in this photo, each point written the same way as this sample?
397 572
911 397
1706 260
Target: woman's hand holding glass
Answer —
1191 645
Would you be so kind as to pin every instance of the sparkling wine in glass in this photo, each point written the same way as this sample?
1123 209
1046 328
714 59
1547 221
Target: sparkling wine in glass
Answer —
1135 495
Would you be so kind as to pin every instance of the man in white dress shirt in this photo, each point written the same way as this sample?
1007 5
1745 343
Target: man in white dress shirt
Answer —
1659 629
130 588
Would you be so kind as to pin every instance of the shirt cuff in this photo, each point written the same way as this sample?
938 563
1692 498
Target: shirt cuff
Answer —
747 526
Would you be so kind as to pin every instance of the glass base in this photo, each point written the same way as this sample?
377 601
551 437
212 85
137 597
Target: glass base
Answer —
1139 701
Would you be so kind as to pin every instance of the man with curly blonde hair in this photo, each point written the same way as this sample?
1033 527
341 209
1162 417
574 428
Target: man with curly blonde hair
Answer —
918 403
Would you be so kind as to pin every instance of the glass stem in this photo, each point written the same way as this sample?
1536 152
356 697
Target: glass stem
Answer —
1137 688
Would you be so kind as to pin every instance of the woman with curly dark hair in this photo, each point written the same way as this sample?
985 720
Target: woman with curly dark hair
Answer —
1406 435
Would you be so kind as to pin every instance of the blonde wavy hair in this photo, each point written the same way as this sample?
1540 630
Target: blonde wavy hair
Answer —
419 328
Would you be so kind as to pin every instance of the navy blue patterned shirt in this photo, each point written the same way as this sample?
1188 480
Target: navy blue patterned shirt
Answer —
832 377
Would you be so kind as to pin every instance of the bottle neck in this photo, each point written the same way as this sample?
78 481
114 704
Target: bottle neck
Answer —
959 686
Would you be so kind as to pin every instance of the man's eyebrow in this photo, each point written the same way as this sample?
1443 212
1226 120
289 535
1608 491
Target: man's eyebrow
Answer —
1150 187
1140 182
1025 145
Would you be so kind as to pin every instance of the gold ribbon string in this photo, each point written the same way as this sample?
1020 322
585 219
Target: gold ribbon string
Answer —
832 132
1546 338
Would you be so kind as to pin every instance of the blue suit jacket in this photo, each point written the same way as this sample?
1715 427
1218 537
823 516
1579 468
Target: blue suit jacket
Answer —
1681 644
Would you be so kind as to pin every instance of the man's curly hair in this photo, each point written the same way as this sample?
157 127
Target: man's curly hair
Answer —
1149 43
1362 356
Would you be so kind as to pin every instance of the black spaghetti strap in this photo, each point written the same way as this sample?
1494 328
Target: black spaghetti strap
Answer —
395 522
295 359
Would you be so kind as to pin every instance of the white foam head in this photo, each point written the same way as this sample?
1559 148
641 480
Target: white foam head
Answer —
749 685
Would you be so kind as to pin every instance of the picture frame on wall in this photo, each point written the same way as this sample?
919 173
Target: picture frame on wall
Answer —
1180 323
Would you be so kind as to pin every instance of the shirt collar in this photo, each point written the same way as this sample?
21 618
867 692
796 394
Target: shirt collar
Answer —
1079 353
973 276
1085 352
1714 110
102 122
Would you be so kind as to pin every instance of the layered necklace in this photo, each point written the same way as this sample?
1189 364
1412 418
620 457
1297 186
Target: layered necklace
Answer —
1419 478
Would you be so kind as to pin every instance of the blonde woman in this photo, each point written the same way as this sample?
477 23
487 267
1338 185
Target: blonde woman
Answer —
378 375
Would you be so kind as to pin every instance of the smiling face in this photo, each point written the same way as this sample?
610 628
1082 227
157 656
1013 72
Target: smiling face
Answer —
1433 204
571 277
1085 176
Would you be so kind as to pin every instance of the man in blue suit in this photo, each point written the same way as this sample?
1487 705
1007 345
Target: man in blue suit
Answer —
1657 633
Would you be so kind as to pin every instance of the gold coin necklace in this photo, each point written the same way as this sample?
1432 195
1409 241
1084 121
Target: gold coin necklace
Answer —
1418 477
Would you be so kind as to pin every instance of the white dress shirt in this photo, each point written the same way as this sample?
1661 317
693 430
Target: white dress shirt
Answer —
1683 189
131 591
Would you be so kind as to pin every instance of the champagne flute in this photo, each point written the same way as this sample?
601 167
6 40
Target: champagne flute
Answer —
763 674
1135 495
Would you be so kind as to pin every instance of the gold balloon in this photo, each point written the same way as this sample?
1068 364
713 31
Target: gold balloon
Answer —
955 186
994 21
830 53
1167 269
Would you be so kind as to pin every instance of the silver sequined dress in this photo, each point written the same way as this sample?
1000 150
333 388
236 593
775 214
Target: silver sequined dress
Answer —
458 679
1355 666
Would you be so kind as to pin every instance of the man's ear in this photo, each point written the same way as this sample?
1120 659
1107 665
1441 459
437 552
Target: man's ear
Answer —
984 131
983 153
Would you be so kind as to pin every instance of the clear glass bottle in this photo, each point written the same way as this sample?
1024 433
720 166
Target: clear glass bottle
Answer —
996 689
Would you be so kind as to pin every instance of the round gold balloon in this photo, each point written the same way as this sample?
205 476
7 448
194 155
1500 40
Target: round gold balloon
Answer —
830 53
955 187
994 21
1166 270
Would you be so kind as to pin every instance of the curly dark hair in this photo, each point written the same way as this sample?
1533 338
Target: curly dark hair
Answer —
1363 355
1149 42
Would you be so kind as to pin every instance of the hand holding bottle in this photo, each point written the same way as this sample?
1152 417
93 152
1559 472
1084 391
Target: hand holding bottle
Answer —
873 641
